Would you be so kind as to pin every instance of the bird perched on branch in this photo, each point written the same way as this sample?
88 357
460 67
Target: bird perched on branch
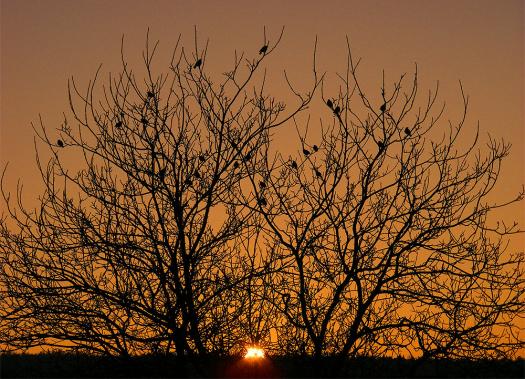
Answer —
60 143
264 49
118 124
337 110
408 131
330 104
316 148
262 201
198 63
381 145
294 164
383 107
150 94
306 152
262 184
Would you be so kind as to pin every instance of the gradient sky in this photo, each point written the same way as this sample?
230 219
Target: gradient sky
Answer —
481 43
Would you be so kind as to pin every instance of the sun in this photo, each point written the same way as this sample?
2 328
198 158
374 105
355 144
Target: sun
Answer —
254 353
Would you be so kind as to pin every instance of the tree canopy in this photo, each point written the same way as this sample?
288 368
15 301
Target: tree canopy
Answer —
185 230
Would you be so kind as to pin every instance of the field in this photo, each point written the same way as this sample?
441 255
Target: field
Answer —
59 365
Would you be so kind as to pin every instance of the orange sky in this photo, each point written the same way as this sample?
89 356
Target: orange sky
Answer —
43 43
480 42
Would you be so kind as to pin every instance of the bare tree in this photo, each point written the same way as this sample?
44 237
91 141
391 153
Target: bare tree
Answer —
141 250
186 231
382 232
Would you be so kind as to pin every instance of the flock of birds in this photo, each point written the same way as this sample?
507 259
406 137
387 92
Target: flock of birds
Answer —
336 109
382 108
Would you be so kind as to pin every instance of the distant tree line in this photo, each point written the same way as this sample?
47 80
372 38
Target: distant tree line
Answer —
182 228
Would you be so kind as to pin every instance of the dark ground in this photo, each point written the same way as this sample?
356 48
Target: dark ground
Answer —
60 365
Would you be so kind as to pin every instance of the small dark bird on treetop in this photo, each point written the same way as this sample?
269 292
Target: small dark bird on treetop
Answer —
407 131
316 148
60 143
143 120
294 164
329 103
383 107
118 124
262 184
201 158
381 145
235 164
306 152
318 174
263 49
337 110
262 201
198 63
150 94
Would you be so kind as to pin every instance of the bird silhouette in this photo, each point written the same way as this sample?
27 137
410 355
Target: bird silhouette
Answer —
201 158
118 124
337 110
408 131
306 152
198 63
294 164
318 174
144 121
383 107
263 49
150 94
60 143
315 147
329 103
235 164
262 201
262 184
381 145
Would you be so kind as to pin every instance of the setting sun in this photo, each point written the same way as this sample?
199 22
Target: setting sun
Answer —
254 352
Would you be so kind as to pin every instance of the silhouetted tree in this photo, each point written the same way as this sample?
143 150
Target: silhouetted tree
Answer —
185 231
141 249
390 251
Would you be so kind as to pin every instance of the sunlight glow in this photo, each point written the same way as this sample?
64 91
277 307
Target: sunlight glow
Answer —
254 353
